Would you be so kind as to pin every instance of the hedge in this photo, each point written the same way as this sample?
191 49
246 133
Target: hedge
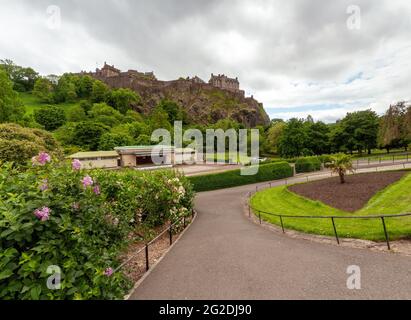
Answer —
308 164
233 178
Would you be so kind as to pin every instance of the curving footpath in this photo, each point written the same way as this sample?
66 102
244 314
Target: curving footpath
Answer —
225 256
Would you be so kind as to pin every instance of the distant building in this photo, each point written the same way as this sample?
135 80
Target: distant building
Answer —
223 82
97 159
196 79
139 157
107 71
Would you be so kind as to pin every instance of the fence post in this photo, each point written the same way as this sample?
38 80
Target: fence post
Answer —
171 234
335 231
385 232
147 260
184 222
282 224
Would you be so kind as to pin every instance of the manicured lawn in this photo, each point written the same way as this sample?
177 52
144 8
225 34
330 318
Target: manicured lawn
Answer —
394 199
32 103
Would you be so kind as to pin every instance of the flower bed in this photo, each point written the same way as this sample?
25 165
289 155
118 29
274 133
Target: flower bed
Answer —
60 216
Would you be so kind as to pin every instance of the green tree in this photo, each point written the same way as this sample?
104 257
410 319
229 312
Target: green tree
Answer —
159 120
88 134
318 137
123 99
23 78
11 109
273 136
65 90
76 114
85 87
43 89
99 91
108 141
51 117
293 139
174 111
103 113
357 131
394 130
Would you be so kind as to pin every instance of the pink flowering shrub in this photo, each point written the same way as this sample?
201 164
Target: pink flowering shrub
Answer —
59 214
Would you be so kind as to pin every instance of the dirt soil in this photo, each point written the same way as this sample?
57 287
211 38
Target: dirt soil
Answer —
351 196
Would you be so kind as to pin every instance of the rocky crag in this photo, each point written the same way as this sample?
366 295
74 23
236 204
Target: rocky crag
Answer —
205 103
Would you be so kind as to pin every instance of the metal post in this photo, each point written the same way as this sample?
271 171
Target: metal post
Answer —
184 222
171 234
147 260
335 231
259 216
282 224
385 232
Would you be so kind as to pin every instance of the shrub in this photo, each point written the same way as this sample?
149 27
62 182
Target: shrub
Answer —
50 117
308 164
88 134
233 178
56 215
109 141
18 144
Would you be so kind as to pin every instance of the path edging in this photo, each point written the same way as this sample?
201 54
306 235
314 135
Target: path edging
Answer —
139 282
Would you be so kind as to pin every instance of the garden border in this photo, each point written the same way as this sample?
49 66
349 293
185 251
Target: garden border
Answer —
333 218
194 215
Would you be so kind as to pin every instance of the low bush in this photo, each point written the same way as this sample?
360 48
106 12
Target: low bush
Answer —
233 178
59 215
308 164
18 144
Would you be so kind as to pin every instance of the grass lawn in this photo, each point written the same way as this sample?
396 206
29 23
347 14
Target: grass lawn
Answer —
395 199
32 103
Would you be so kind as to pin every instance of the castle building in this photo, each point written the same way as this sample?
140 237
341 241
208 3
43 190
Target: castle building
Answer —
107 71
223 82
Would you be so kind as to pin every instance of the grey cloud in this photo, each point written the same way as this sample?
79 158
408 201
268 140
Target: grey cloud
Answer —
282 42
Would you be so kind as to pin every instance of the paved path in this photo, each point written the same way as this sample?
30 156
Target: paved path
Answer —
225 256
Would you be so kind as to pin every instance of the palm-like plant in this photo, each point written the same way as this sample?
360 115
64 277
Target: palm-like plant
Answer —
341 163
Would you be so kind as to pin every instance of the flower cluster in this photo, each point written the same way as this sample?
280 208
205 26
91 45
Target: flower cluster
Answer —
76 164
43 214
41 159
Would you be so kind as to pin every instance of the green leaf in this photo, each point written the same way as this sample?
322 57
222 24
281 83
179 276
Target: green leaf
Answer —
5 274
35 293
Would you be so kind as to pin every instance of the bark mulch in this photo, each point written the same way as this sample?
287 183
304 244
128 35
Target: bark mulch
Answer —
351 196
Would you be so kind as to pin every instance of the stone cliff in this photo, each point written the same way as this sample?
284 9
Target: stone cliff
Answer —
203 102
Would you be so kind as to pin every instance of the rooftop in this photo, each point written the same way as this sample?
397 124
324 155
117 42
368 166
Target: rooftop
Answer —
94 154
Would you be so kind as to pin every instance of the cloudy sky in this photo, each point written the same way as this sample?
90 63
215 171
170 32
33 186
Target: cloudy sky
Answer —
316 57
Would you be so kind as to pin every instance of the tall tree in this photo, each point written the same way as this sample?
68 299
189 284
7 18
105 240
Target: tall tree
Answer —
357 131
394 129
294 139
11 109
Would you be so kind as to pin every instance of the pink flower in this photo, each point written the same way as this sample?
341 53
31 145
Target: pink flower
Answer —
76 164
87 181
96 190
41 159
45 185
109 272
43 214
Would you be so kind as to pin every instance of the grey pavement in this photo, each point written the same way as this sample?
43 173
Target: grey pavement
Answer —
225 256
